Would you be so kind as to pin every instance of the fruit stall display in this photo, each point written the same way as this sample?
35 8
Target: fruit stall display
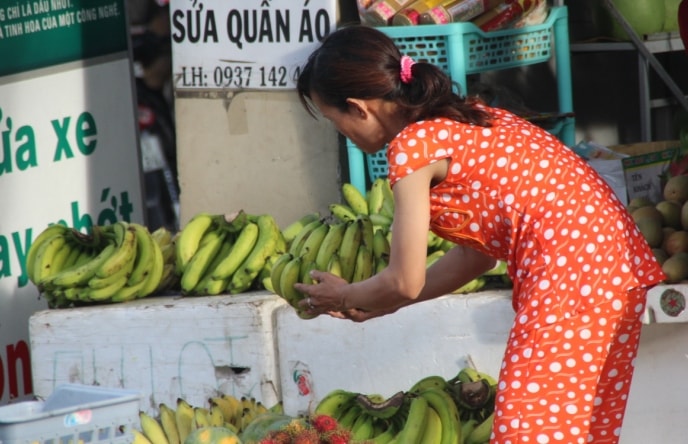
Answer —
459 410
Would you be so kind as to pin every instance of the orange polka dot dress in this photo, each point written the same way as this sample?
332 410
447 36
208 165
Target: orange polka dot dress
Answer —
580 269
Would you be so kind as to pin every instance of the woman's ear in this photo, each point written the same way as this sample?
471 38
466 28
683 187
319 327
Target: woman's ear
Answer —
358 107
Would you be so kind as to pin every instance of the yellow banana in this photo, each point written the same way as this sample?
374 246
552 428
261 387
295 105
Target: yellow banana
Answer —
139 437
201 418
208 285
43 236
184 416
297 243
481 433
348 249
216 416
45 255
416 421
342 212
241 248
101 282
268 238
189 239
152 280
441 402
237 407
290 231
311 246
276 271
289 276
168 422
152 429
145 254
334 266
125 242
63 256
433 428
201 260
375 196
363 267
228 408
330 245
89 294
354 198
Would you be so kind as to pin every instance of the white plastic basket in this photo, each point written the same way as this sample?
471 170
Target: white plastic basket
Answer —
74 413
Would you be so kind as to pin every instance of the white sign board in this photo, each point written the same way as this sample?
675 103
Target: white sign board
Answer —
241 44
68 146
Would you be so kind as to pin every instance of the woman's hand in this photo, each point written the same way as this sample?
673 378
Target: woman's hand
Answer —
324 295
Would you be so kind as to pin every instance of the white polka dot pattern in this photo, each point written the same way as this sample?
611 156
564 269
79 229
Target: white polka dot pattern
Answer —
516 193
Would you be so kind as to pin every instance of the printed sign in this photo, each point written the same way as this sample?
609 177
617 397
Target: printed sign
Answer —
68 145
239 44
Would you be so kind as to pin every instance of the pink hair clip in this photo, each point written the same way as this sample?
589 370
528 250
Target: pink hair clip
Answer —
406 64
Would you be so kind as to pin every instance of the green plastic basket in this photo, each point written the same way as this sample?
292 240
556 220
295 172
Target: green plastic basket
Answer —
461 49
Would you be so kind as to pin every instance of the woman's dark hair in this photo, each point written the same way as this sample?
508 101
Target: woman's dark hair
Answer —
362 62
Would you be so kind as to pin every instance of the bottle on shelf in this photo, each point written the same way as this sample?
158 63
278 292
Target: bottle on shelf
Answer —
412 14
505 14
449 11
381 12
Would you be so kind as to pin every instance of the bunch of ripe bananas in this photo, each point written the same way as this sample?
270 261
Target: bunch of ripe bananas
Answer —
434 410
173 425
216 253
113 263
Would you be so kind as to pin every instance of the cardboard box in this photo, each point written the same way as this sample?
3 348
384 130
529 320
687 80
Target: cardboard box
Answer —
645 166
163 347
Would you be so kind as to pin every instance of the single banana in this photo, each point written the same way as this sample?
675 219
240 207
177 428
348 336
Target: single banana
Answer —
184 416
145 254
348 249
354 198
330 245
334 266
471 286
381 222
433 428
125 243
335 403
189 239
363 266
388 201
201 418
443 404
290 231
268 238
498 270
201 260
168 422
207 285
101 294
368 232
482 432
241 248
381 247
216 416
428 382
139 437
45 255
467 427
433 257
342 212
380 264
297 243
416 421
363 428
228 408
276 271
237 406
348 418
63 256
312 244
375 196
387 435
305 272
152 429
43 236
289 276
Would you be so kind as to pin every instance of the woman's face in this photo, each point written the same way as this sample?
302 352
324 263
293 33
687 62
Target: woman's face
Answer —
360 123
